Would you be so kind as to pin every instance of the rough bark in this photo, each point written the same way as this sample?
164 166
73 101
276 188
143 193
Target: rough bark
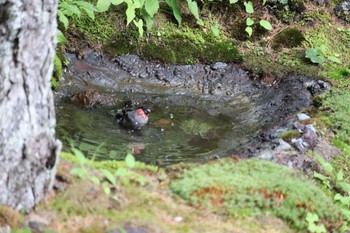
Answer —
28 147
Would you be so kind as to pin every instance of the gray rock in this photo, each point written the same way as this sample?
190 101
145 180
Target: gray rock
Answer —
219 65
283 145
266 154
303 117
277 133
298 144
299 127
310 136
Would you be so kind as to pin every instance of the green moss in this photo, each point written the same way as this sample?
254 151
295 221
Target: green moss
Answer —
289 135
9 216
335 111
252 187
288 38
195 127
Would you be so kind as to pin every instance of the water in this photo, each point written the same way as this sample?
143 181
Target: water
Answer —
175 133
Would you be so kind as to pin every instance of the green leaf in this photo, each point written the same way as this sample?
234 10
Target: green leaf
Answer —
147 18
103 5
334 59
320 176
116 2
130 12
340 175
109 176
121 172
70 9
85 5
249 7
142 180
139 25
90 13
215 30
174 4
95 180
81 172
325 165
106 188
192 5
265 24
233 1
249 22
151 7
264 2
60 37
311 217
79 155
345 186
314 55
63 19
249 30
130 160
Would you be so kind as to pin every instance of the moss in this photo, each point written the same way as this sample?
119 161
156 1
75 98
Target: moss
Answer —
335 111
196 128
157 52
9 216
232 188
289 135
288 38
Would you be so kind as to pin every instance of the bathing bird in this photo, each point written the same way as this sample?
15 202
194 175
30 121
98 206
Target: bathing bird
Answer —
133 118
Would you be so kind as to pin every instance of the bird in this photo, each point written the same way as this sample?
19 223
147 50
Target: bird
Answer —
133 118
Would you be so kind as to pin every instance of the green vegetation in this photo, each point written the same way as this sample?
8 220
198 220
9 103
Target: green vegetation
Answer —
232 188
289 135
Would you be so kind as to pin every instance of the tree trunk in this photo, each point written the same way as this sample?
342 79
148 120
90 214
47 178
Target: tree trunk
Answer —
28 147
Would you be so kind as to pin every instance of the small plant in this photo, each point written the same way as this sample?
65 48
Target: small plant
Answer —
313 226
317 55
105 178
334 180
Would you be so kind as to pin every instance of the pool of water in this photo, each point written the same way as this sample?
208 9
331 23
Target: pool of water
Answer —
175 132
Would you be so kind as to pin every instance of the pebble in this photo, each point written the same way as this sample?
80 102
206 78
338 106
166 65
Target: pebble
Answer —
266 154
218 65
303 117
178 219
283 145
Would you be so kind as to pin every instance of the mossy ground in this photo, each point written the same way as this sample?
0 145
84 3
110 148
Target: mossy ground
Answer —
85 207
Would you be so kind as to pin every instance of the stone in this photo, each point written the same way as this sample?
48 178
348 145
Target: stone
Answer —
310 136
283 145
219 65
298 144
303 117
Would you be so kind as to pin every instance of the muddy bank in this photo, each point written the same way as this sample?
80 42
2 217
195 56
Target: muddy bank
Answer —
220 89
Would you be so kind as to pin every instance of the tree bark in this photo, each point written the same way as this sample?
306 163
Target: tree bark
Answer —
28 147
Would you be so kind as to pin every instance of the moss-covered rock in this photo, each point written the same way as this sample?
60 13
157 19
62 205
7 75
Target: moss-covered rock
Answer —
288 38
251 187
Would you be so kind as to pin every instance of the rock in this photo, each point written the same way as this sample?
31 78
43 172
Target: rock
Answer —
299 127
283 145
298 144
178 219
310 136
266 154
129 229
277 133
219 65
303 117
5 229
37 223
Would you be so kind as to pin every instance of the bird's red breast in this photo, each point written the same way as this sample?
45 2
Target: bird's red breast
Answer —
141 113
